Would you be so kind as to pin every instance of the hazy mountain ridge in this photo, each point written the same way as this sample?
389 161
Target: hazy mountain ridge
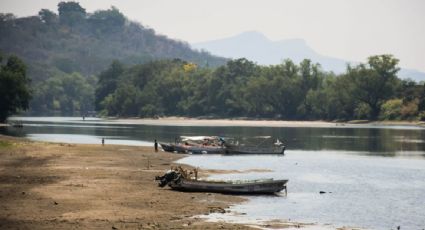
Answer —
257 47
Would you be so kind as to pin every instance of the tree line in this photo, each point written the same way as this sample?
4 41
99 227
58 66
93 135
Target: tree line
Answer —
241 88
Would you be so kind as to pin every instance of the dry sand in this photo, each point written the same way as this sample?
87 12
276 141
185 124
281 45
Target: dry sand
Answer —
184 121
63 186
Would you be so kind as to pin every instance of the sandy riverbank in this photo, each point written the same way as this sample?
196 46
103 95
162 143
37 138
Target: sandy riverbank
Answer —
183 121
62 186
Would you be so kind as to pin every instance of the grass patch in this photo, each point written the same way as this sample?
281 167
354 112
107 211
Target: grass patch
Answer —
5 144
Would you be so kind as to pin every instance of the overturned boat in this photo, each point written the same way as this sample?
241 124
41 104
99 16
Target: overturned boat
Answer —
181 180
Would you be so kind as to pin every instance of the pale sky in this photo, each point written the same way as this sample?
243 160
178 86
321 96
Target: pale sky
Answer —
346 29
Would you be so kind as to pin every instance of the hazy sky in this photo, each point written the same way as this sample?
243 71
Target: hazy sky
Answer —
348 29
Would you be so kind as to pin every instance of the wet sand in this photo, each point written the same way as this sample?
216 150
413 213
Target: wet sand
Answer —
68 186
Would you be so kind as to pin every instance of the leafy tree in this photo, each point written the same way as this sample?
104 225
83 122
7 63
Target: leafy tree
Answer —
391 109
108 82
224 91
125 100
310 79
409 110
107 21
14 87
48 17
71 13
376 83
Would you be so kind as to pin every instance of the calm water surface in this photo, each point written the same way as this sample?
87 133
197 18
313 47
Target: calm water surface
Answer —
373 176
361 191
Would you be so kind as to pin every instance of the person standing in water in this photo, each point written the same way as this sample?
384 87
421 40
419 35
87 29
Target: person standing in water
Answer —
156 146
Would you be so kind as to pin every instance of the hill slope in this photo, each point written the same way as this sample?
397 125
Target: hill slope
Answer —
76 41
256 47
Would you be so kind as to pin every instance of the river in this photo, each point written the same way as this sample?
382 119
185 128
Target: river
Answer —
373 176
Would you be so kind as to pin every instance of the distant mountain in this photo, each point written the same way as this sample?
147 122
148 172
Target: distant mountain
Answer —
76 41
256 47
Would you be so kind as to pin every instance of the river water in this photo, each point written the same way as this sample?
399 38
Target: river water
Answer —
373 176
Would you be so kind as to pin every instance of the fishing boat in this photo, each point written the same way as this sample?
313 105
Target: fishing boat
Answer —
237 149
258 147
167 147
181 181
196 145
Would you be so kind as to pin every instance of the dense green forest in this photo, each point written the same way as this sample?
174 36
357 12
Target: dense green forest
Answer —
242 88
65 51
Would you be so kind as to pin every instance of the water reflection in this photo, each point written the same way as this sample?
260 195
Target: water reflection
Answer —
368 140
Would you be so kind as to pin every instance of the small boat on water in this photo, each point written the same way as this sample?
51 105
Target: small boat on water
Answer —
219 145
235 149
180 180
258 147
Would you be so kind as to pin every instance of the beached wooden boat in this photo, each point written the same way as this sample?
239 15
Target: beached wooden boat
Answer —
179 180
167 147
246 187
191 149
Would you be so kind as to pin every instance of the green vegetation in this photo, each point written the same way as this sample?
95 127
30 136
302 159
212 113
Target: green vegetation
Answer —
74 42
243 89
69 58
5 144
14 87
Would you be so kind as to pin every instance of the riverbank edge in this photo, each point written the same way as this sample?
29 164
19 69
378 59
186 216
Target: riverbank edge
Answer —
188 121
14 149
243 122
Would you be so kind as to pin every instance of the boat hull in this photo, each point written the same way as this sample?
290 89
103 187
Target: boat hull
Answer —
233 149
227 149
167 147
179 148
264 187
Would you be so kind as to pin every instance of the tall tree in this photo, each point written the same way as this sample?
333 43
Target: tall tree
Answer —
107 83
14 87
374 83
48 16
71 13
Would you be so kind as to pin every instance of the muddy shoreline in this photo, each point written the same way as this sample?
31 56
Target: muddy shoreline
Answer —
63 186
